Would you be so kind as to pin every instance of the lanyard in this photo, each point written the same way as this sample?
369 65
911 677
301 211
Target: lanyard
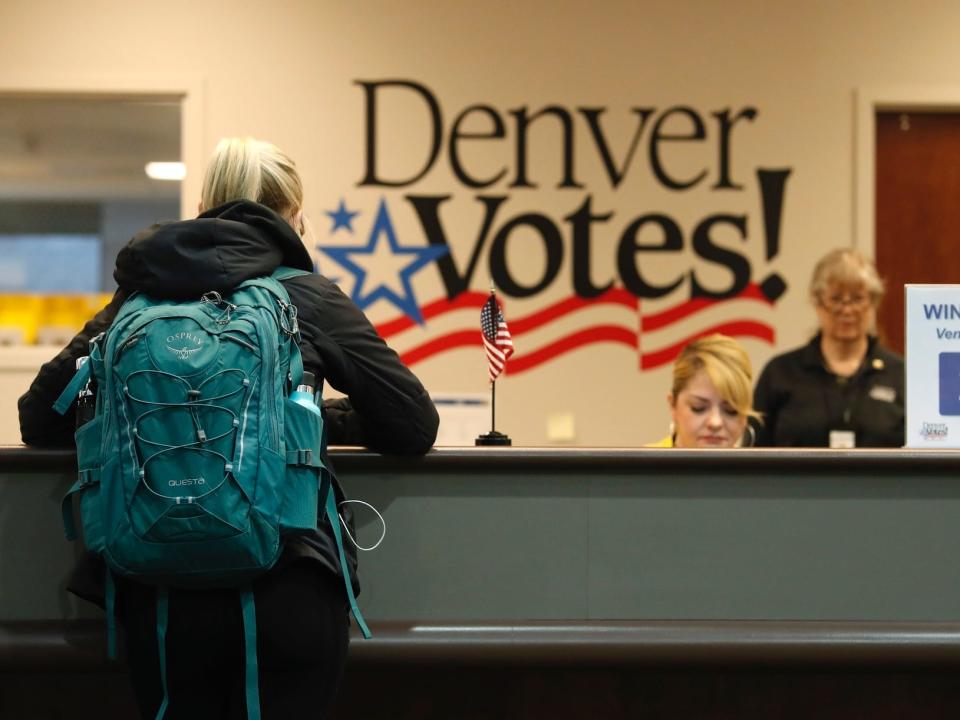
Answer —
848 392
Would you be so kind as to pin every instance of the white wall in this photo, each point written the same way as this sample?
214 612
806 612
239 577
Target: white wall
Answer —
289 75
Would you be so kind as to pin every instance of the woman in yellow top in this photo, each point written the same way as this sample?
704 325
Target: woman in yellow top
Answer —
711 398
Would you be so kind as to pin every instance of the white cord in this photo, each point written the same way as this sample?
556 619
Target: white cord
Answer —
347 529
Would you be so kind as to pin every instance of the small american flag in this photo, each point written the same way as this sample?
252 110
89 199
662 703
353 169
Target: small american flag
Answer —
496 336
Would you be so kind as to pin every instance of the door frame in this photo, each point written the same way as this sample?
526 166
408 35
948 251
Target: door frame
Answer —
186 88
867 101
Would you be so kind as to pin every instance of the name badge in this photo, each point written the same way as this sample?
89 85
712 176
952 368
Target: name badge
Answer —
843 439
883 393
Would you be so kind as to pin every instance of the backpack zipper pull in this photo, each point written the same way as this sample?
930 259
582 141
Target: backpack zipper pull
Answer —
288 319
216 299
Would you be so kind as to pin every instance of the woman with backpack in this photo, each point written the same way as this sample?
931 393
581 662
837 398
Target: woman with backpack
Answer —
250 223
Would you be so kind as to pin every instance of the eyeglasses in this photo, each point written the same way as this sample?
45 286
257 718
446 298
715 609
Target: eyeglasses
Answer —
836 302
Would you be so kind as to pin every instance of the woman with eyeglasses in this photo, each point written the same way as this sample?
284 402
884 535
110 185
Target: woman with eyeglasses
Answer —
843 389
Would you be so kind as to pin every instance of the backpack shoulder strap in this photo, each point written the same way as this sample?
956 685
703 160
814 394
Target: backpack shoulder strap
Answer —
251 669
272 282
329 502
283 272
70 392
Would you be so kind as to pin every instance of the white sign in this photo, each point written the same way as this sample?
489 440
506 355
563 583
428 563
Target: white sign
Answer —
933 365
463 416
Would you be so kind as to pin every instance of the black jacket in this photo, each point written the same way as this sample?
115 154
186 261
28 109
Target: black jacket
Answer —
801 401
386 408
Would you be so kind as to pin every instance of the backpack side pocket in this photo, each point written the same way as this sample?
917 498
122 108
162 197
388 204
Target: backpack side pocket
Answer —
302 432
89 467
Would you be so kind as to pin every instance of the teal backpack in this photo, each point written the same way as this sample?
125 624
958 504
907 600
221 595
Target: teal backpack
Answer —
197 463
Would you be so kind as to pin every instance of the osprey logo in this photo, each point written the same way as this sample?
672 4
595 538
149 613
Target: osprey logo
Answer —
184 352
191 344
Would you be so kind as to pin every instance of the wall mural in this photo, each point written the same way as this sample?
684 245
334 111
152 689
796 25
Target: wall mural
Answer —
638 299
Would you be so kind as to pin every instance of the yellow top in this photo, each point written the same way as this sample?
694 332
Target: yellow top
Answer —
666 442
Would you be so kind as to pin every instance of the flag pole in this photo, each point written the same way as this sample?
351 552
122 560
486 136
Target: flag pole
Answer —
493 406
493 383
493 437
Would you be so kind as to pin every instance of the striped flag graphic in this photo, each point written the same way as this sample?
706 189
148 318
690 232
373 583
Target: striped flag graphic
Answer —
655 332
496 336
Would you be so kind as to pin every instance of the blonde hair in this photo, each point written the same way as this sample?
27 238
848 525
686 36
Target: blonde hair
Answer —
249 169
727 365
846 268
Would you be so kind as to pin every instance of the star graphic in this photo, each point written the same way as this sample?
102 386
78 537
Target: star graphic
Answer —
395 284
342 218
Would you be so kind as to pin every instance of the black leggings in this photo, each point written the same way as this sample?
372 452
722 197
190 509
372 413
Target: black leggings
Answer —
302 636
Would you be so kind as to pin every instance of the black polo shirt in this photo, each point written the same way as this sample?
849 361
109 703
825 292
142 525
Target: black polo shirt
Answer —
801 401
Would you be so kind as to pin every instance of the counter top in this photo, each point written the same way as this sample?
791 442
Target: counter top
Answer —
561 459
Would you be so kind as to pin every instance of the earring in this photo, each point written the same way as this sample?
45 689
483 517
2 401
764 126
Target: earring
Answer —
749 436
672 429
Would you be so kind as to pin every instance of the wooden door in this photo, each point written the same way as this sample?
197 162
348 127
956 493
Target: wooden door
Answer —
917 206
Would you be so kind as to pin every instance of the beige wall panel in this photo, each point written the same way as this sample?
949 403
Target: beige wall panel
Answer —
287 73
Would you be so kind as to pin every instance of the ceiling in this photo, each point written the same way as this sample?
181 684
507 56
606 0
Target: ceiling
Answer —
91 149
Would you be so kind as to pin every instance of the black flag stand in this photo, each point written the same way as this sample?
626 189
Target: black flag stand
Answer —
493 437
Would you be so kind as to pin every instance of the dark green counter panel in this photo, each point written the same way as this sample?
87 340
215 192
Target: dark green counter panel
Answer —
573 535
35 559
